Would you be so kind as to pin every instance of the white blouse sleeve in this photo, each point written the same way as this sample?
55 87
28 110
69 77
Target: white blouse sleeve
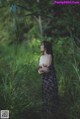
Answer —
41 61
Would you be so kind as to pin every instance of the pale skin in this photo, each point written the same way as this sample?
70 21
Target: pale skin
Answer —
45 61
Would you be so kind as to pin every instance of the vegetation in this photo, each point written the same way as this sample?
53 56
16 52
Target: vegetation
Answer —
23 25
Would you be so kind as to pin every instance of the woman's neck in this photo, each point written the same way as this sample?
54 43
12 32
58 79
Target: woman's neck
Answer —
45 53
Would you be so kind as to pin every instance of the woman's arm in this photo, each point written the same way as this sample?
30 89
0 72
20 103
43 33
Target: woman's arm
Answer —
45 68
40 71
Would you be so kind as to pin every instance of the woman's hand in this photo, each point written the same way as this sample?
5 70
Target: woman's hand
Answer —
45 69
40 70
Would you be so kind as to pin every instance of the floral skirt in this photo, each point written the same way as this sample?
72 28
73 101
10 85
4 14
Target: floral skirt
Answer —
49 91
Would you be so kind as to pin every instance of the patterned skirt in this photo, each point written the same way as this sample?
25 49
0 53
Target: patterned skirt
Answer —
49 91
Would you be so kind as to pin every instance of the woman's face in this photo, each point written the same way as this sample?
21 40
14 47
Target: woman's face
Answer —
42 47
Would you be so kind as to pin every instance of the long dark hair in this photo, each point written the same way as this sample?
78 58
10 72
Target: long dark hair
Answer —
49 49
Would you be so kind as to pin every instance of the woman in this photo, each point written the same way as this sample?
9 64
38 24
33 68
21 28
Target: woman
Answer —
49 82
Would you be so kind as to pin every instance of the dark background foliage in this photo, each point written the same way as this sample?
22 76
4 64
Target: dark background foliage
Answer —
23 25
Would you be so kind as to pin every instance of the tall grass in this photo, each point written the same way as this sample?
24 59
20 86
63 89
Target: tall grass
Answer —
67 61
20 84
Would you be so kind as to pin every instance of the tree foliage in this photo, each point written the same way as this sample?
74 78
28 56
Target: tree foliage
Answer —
23 25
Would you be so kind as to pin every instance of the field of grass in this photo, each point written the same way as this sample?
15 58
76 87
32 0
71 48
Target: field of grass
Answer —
20 83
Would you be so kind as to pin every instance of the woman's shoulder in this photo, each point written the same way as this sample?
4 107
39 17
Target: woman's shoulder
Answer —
46 56
49 56
41 56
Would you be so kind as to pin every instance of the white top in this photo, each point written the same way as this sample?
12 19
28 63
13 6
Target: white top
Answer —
45 59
